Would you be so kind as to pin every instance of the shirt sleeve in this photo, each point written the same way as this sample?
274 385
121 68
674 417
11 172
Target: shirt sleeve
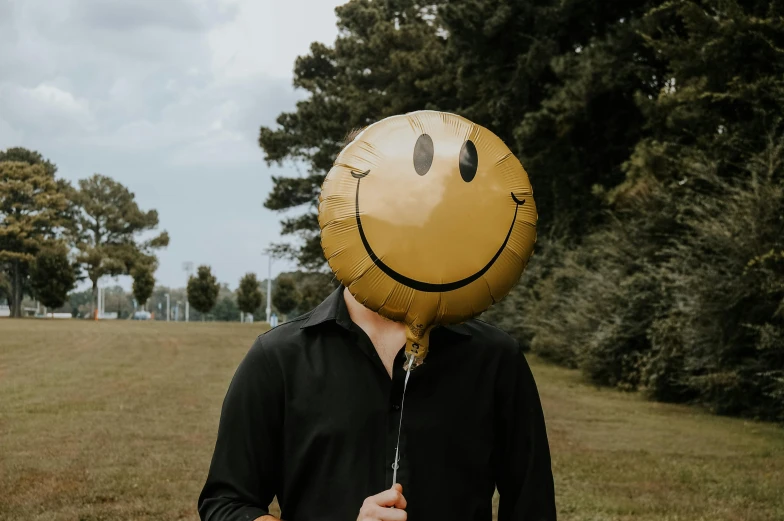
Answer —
245 465
524 473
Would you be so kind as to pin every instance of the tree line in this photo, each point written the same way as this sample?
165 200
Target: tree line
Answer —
54 234
293 293
653 135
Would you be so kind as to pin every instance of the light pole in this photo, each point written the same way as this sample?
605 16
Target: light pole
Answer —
168 307
188 268
269 287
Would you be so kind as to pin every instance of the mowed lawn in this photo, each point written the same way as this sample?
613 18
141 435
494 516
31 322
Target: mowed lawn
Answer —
117 420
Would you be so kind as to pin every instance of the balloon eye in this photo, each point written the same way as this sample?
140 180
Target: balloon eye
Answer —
469 160
423 154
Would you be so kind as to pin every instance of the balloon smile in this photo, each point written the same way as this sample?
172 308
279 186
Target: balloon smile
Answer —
417 284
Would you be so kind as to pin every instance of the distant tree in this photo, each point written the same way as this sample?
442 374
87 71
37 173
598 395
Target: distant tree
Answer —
313 288
52 275
158 298
226 310
80 302
285 297
143 284
203 290
249 296
31 207
108 224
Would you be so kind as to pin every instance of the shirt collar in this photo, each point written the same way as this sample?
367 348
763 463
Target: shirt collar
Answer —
334 309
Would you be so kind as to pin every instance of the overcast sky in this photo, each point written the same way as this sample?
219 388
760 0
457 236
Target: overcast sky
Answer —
165 96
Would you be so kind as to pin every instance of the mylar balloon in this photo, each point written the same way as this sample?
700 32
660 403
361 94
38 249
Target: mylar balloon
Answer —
427 219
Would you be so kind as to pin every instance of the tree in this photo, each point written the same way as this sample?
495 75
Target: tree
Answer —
285 297
249 296
313 288
728 112
52 275
203 290
80 303
143 284
680 291
108 225
557 82
226 310
5 287
31 157
31 208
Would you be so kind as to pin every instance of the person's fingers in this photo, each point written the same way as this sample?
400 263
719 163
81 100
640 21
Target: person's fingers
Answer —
386 514
389 498
388 505
401 501
372 512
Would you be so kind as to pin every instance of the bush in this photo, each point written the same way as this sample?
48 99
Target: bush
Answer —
680 294
726 278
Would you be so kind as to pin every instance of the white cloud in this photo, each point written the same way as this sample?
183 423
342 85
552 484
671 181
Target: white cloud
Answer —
269 35
58 99
44 109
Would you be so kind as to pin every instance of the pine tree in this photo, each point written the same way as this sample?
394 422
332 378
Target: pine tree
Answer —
107 226
31 207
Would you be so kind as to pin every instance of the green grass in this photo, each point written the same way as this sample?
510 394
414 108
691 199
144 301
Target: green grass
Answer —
117 420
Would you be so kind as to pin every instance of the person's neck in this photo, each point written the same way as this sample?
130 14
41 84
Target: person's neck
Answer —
363 316
387 336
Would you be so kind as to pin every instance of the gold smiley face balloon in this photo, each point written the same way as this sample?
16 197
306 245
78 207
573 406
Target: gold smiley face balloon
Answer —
427 219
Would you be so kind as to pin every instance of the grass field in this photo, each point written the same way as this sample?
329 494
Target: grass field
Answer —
104 421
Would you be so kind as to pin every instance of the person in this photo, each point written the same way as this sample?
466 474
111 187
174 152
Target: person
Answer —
312 416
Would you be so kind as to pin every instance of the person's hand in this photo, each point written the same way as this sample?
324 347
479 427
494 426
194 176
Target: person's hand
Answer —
377 508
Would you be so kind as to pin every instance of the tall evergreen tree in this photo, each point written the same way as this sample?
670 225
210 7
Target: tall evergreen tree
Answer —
31 209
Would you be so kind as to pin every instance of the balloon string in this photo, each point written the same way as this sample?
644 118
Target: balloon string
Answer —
410 364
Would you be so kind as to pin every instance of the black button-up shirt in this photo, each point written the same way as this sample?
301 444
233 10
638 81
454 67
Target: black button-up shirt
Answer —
312 416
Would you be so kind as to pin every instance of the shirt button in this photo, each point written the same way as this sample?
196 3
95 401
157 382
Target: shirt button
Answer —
396 407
